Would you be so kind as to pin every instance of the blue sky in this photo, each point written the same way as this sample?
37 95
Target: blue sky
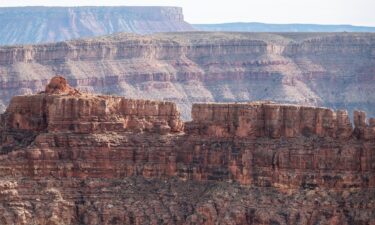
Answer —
355 12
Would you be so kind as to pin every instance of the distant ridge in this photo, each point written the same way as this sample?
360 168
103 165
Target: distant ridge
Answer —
29 25
264 27
334 70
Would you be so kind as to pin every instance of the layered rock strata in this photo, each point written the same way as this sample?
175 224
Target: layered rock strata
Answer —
30 25
68 157
259 119
334 70
61 108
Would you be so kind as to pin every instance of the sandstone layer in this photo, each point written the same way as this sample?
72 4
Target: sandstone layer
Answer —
334 70
75 158
30 25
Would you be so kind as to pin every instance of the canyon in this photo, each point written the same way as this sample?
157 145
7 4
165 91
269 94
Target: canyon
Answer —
335 70
70 157
37 24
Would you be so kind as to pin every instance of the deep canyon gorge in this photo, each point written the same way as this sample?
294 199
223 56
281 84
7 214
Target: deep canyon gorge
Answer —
103 127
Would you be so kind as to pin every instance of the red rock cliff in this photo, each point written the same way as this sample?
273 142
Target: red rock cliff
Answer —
267 119
79 148
62 108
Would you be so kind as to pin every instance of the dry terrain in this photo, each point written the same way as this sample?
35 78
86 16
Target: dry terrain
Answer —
334 70
68 157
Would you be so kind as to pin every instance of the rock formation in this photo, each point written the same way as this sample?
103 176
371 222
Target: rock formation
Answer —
334 70
78 158
59 85
30 25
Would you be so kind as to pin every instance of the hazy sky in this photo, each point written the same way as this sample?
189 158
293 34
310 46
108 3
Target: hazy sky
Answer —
356 12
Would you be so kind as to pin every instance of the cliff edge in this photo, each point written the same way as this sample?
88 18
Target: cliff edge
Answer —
93 159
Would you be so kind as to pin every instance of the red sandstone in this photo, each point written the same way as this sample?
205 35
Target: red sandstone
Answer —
281 154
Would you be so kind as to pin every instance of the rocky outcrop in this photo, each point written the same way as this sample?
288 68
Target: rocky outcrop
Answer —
30 25
59 85
270 144
62 108
334 70
86 159
267 119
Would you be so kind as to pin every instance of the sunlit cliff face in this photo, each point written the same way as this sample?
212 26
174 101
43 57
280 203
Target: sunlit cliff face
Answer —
69 157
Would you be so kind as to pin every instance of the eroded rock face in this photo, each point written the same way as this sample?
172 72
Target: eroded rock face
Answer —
62 108
88 159
171 201
59 85
334 70
267 119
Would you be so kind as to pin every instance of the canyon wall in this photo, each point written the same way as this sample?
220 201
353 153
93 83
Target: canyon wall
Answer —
30 25
236 139
91 114
334 70
74 158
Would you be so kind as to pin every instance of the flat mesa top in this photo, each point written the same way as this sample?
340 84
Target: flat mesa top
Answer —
255 103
